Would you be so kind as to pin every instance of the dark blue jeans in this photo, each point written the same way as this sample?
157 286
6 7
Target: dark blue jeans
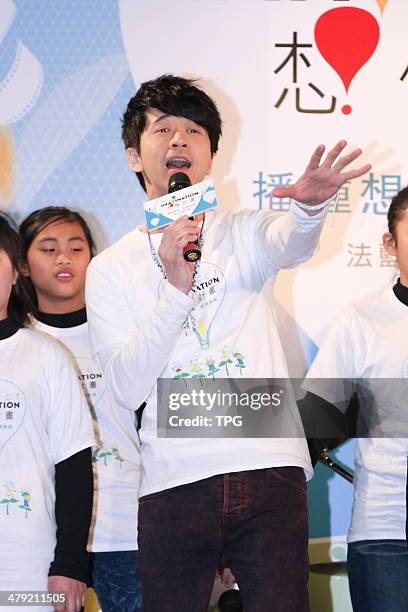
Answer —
378 575
253 522
115 578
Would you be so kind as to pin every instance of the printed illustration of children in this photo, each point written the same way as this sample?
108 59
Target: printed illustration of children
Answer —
212 370
26 501
240 362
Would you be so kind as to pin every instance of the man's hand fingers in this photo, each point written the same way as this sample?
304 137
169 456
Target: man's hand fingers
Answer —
190 233
179 227
347 176
333 154
346 159
316 158
182 228
180 239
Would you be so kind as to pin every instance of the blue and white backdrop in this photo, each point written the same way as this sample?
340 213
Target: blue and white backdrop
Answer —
286 74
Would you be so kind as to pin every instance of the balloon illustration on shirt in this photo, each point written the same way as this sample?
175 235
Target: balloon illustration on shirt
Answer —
210 288
91 378
347 37
13 408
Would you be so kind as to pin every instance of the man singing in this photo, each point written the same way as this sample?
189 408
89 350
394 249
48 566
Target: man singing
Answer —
205 502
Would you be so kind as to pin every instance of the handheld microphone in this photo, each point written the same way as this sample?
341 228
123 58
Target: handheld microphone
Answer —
230 601
180 180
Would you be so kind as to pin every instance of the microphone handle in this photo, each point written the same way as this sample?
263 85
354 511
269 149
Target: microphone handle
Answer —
192 250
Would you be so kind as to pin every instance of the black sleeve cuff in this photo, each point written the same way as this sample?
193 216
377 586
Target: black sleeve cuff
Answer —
77 569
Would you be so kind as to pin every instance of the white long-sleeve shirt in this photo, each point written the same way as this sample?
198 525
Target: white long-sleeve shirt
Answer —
136 328
366 350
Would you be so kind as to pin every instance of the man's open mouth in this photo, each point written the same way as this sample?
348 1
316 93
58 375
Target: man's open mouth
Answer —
178 162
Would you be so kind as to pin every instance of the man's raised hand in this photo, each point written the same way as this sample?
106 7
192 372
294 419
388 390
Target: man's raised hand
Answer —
322 179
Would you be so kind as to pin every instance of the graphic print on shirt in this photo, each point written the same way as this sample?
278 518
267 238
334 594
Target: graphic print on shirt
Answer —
210 289
9 497
91 378
93 385
108 456
226 361
13 408
25 494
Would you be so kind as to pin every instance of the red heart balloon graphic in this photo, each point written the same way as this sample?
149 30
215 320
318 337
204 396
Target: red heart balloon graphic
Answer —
347 37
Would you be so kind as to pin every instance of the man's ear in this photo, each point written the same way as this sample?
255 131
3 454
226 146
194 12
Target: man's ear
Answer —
389 244
134 160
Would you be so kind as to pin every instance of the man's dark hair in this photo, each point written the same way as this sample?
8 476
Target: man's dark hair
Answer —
398 204
19 305
172 95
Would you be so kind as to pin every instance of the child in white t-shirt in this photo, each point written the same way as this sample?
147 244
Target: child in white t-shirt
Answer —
367 349
46 435
58 247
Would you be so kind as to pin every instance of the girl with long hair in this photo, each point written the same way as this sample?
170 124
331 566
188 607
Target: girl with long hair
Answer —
46 435
58 247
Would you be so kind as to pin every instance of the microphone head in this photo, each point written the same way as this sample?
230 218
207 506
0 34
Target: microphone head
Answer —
230 601
178 180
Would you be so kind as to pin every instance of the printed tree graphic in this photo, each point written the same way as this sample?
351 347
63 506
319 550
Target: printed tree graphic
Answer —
199 376
117 455
9 498
181 376
178 372
102 454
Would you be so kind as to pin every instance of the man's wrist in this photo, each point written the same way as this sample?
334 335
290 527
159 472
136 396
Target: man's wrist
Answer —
181 288
318 206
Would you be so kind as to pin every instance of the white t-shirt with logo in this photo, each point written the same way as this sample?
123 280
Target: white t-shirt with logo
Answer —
136 330
369 342
44 419
117 459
